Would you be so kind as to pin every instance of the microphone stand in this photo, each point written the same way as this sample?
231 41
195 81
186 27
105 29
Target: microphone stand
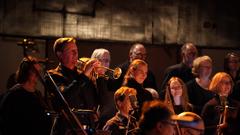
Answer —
72 119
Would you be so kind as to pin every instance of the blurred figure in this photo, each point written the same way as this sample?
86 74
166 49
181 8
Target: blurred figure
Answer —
195 127
103 84
134 78
221 113
122 123
176 96
232 66
137 51
156 119
198 91
182 70
22 109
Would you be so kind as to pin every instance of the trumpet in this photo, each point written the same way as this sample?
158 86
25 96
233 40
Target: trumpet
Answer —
110 73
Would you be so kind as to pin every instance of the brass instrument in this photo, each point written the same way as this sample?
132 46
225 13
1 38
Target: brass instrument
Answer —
223 116
110 73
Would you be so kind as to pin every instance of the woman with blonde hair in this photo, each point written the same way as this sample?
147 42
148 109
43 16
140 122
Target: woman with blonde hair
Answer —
134 78
221 114
176 96
198 88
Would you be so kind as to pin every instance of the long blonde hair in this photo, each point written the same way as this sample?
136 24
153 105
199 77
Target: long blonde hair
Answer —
132 68
184 98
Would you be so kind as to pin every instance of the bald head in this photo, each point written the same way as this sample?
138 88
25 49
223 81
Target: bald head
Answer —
189 53
137 51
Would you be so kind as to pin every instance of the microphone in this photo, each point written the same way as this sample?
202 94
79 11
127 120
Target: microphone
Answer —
28 44
223 100
133 101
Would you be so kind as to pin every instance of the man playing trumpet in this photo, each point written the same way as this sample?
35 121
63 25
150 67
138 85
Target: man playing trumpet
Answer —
77 88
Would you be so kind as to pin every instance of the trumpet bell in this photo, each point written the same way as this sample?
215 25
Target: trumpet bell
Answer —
117 73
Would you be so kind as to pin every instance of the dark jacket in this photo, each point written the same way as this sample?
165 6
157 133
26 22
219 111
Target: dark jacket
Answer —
23 113
118 125
149 82
77 89
211 115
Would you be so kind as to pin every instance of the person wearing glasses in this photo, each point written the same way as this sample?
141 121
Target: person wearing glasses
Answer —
197 88
221 114
176 96
182 70
137 51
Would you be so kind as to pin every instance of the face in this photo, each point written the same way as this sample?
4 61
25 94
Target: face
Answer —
225 87
233 63
166 128
140 74
205 69
69 56
176 88
139 52
33 78
105 60
191 131
125 106
189 55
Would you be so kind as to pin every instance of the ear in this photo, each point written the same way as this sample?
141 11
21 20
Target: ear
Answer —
159 126
59 55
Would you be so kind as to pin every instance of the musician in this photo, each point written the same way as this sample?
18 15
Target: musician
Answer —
221 114
77 88
193 127
134 78
103 84
22 109
156 119
122 123
176 96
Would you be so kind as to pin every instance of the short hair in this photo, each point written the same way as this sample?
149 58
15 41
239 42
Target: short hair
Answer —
98 53
25 69
153 112
132 68
227 59
217 80
197 62
134 46
184 47
61 43
122 92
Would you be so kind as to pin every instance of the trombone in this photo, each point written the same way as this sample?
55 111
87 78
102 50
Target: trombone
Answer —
110 73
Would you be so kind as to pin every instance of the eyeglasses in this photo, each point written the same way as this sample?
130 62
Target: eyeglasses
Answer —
176 87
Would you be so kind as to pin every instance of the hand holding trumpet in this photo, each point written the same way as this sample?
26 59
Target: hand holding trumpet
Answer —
93 67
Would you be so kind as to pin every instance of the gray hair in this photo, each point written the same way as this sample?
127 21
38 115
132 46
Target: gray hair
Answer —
98 53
